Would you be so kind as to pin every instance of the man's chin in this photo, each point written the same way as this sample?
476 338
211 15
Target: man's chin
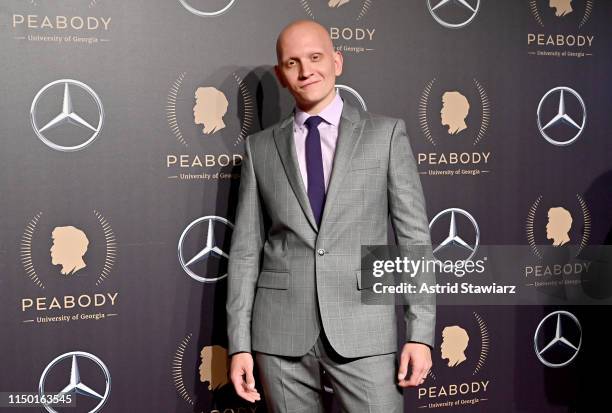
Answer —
309 101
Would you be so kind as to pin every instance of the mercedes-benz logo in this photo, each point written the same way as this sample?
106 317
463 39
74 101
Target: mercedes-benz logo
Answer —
201 13
354 93
466 5
562 116
75 385
67 115
453 238
565 322
210 249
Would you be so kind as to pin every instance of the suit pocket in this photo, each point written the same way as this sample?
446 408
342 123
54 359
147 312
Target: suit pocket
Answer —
366 283
276 280
358 164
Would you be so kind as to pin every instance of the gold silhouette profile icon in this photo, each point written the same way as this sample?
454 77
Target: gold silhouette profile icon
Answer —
562 7
214 366
454 342
337 3
455 108
69 247
209 109
558 226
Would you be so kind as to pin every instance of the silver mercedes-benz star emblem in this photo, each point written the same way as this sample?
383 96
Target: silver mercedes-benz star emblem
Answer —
201 13
354 93
453 238
210 249
67 115
565 322
470 6
75 385
562 117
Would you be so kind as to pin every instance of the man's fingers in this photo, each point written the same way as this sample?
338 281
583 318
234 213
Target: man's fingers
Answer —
238 383
417 377
403 367
242 387
417 356
250 380
250 383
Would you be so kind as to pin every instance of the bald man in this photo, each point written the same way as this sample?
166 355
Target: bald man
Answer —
314 188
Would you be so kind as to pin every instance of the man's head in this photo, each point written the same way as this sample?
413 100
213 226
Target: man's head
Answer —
211 106
214 366
455 108
308 64
454 342
559 225
562 7
69 246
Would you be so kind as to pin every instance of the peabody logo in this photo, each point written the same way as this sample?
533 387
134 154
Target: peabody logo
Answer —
561 116
78 24
556 224
212 366
453 14
67 115
195 261
344 21
207 117
561 19
69 246
557 339
193 7
354 9
463 353
68 255
87 378
454 117
576 11
458 240
556 238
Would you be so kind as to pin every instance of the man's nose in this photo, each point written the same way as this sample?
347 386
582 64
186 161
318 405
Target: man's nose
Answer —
305 70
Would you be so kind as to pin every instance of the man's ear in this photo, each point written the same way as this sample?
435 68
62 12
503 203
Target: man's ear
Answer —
338 62
279 76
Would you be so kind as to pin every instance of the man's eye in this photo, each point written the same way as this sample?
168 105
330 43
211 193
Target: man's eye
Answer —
316 57
291 63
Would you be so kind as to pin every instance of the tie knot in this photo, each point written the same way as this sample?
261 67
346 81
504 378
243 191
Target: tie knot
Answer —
313 122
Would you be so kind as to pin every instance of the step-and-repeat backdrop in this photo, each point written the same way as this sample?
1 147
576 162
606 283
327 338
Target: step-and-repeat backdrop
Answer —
122 128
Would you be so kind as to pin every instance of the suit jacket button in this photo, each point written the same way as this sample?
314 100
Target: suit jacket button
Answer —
321 251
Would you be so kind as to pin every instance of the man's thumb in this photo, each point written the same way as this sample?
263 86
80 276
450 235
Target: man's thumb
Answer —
403 368
250 380
401 374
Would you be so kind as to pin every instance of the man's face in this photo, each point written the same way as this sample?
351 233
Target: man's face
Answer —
444 349
58 250
308 65
549 229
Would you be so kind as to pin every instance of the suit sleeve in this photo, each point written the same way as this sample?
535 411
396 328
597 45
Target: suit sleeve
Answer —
245 252
409 220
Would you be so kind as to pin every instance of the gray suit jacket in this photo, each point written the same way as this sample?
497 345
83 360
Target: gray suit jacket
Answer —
287 278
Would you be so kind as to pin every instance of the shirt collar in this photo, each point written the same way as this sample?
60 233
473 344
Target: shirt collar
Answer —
330 114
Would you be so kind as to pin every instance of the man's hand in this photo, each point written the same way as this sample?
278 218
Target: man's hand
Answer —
241 374
418 357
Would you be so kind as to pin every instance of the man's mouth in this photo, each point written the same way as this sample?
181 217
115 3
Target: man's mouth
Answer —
309 84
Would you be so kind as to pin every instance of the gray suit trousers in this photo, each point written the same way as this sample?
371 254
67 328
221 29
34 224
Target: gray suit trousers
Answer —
361 384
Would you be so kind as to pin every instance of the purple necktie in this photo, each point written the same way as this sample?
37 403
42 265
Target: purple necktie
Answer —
314 168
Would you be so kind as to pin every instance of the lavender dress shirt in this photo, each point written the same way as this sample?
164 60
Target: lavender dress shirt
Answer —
328 130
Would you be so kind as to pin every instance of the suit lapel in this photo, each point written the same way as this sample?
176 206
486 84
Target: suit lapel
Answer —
348 136
349 133
285 144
